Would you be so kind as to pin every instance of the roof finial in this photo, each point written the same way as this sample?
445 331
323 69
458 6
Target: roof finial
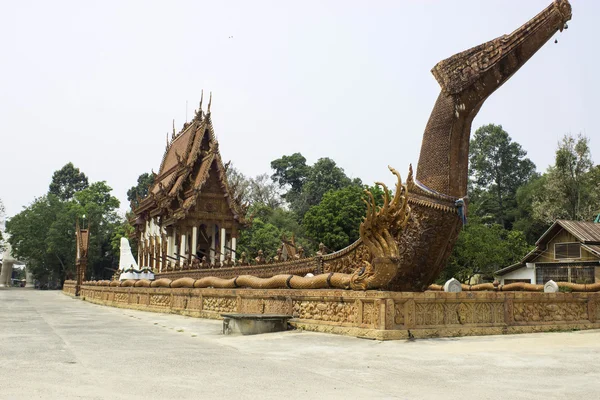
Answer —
209 103
167 139
173 128
201 98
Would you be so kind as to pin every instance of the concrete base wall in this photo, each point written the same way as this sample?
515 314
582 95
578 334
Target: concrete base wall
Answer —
371 314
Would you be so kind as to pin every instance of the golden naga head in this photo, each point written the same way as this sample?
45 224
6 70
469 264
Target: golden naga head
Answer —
378 231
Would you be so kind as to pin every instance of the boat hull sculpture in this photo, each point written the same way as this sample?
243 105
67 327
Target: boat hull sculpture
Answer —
405 244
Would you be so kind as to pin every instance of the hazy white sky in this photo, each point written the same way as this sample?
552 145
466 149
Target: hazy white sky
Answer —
99 82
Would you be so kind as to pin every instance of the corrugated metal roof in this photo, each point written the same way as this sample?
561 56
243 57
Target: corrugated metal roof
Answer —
508 269
582 230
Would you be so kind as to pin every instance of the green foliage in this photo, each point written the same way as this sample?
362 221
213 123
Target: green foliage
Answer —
571 184
525 221
305 184
335 221
139 191
261 236
67 181
484 249
323 177
270 223
290 171
498 167
43 234
31 238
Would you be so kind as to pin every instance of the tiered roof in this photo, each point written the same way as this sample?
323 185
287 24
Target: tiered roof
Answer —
191 159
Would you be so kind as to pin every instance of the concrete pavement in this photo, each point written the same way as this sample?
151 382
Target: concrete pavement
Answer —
53 346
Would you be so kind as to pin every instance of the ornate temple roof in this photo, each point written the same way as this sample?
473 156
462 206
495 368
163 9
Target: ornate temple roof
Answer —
191 159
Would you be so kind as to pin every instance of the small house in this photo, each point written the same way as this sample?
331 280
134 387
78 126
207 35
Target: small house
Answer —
569 251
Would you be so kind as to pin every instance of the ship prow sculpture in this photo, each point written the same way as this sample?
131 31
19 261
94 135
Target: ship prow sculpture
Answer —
403 245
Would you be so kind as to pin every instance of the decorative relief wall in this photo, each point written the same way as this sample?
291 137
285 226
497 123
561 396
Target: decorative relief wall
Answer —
122 297
456 313
399 313
160 300
325 311
375 314
219 304
370 314
179 301
550 312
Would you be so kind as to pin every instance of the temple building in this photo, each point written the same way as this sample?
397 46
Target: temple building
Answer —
190 213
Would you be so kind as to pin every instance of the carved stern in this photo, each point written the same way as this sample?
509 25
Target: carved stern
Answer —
467 79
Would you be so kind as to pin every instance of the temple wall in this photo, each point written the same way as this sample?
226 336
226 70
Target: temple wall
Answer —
371 314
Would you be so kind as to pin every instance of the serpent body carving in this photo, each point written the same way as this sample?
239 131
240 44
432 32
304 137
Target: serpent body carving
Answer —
405 244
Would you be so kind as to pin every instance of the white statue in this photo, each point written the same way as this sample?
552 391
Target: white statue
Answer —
129 267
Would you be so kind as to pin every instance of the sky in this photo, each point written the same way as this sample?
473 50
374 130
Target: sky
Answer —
98 83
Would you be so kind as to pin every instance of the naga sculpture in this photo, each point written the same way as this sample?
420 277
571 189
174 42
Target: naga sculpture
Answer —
405 244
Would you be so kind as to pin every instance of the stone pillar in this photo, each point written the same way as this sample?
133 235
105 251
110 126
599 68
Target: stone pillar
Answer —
7 267
28 278
233 244
194 241
159 253
213 243
172 244
6 273
223 237
181 249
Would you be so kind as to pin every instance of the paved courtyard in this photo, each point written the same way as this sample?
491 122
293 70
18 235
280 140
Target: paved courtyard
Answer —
53 346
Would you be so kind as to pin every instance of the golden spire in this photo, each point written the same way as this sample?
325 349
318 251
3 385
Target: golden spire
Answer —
173 128
209 103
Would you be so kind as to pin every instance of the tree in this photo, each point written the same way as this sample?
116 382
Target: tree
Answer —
43 233
262 191
260 236
498 166
269 226
139 191
290 171
100 210
324 176
67 181
571 184
238 184
31 240
484 249
335 221
305 185
525 221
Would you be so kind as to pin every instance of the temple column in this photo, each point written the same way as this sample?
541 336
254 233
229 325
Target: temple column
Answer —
223 238
233 243
194 241
170 242
140 250
159 265
213 243
181 249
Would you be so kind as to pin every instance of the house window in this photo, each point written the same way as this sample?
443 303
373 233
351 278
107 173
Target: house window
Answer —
567 250
583 275
557 274
574 274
